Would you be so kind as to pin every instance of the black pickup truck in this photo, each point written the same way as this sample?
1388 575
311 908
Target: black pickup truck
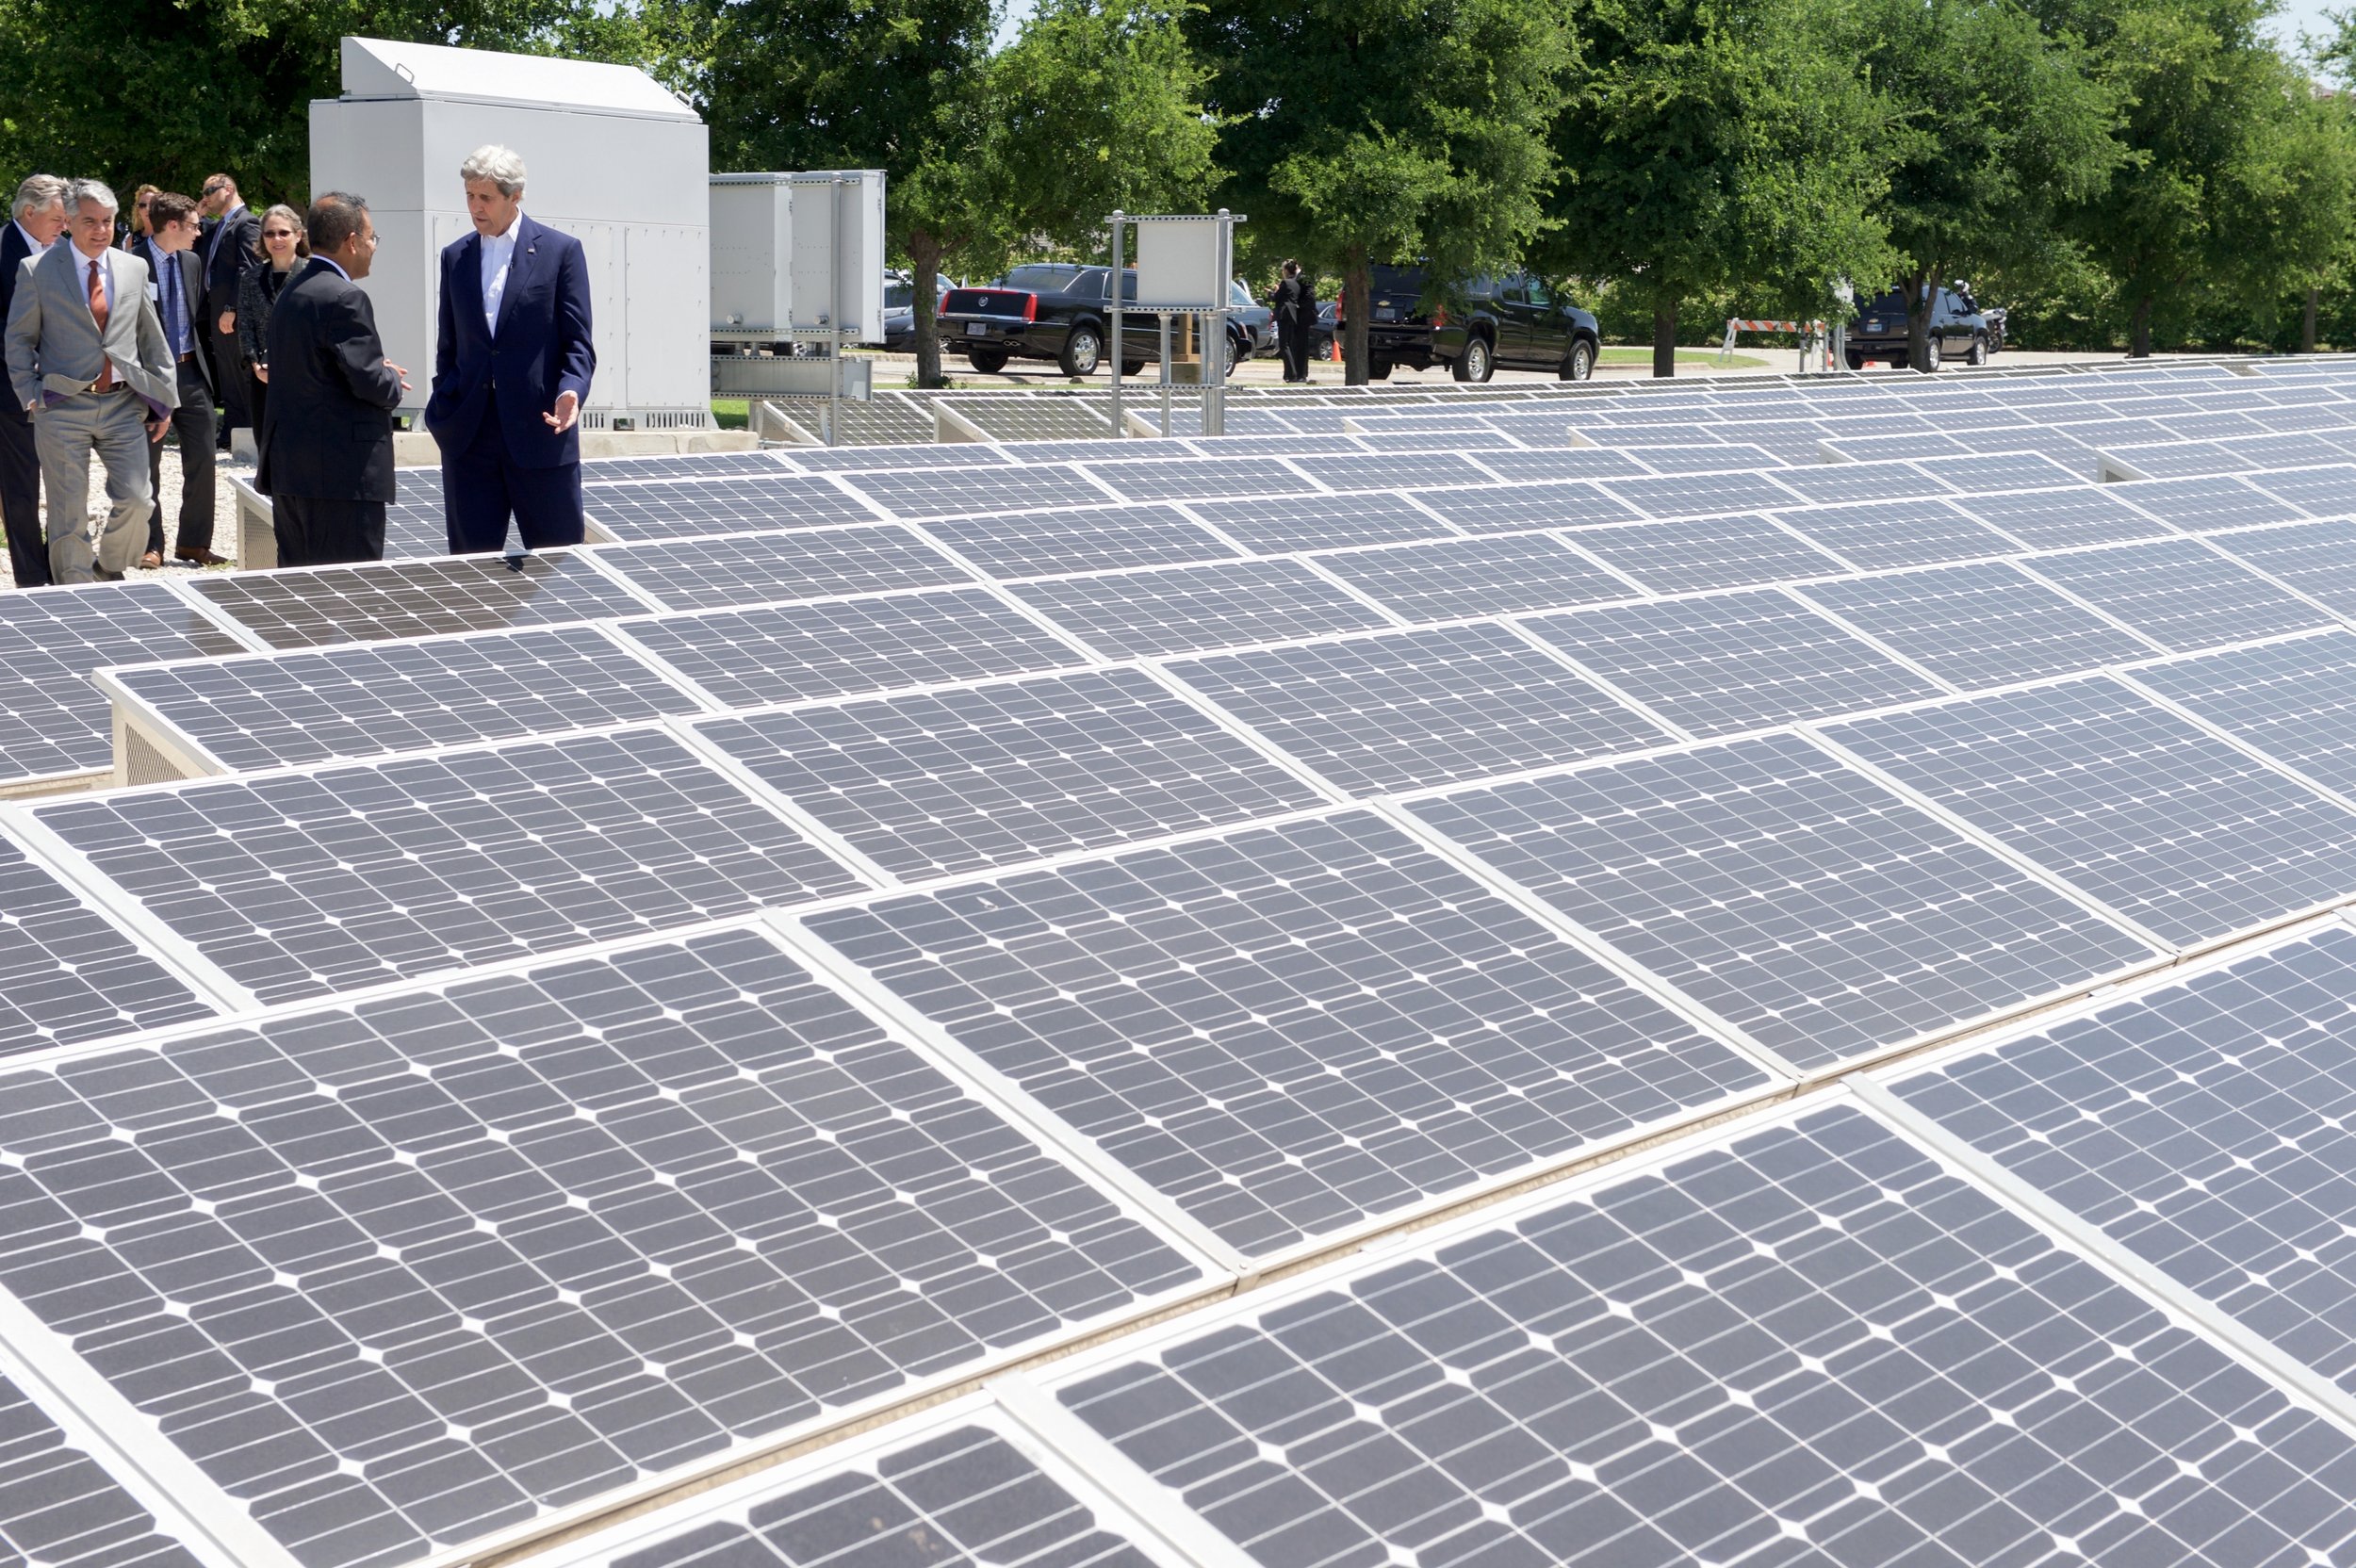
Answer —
1058 311
1513 319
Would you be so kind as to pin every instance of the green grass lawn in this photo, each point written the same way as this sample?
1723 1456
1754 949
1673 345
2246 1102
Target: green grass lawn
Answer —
731 412
1685 356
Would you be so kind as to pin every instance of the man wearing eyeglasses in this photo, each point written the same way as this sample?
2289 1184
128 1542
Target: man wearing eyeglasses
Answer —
229 250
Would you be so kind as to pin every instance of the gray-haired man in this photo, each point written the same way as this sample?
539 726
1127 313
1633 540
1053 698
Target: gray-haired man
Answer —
39 211
87 357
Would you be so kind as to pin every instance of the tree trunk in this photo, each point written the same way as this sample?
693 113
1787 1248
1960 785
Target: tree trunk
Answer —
1664 336
2139 334
1919 321
1357 313
924 263
2307 321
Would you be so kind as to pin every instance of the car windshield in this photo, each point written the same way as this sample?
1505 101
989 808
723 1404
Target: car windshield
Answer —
1238 295
1891 304
898 296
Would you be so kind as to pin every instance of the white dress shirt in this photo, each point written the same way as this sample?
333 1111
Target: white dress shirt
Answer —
33 245
106 275
498 252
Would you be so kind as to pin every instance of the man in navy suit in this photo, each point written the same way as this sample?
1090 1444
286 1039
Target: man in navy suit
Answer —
511 369
39 211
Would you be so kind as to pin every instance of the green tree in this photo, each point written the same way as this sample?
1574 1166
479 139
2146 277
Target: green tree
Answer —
170 90
2234 177
1718 145
1089 109
1365 131
2000 129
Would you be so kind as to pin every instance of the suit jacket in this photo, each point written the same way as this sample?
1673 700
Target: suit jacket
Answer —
328 432
542 348
192 289
53 340
228 253
12 253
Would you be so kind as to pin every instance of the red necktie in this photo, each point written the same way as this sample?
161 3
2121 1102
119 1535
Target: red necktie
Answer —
98 313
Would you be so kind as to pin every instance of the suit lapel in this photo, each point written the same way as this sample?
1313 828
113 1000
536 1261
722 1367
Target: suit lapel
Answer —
518 266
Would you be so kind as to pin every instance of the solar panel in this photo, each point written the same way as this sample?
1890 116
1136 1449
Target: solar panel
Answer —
1985 471
1316 1023
946 454
1732 661
1700 495
2203 504
2287 450
1808 1345
297 883
686 509
928 784
316 607
2202 1127
1501 510
2316 559
1895 447
53 721
2060 520
877 421
835 648
1182 609
1705 458
368 699
752 568
969 1489
1878 535
1480 441
2180 594
1461 578
2175 459
62 1506
1192 478
1439 706
2126 801
1026 419
1789 894
1987 624
1859 482
2319 492
1041 544
954 493
480 1251
1390 470
68 975
2294 700
1709 552
599 472
1320 522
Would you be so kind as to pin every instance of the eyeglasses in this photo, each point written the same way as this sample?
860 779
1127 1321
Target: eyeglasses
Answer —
278 234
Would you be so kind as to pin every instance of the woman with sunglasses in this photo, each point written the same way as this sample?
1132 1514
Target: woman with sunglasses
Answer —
281 245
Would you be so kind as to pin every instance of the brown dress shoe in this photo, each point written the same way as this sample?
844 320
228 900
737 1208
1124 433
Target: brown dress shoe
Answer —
150 561
198 555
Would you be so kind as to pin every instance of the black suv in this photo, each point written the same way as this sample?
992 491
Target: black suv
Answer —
1514 319
1058 311
1957 329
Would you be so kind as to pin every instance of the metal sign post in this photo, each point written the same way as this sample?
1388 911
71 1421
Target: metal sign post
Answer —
1185 266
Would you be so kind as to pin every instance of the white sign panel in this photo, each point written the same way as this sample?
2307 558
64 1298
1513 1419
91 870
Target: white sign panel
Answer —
1180 265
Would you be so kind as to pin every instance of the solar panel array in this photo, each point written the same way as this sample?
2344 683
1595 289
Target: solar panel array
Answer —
587 1024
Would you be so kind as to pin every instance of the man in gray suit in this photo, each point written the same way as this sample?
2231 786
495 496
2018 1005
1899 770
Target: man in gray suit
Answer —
88 358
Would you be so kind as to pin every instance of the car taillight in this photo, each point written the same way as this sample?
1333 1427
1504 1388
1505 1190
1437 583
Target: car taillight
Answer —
1439 318
1030 307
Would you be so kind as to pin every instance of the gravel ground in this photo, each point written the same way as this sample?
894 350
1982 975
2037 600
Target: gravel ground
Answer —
225 506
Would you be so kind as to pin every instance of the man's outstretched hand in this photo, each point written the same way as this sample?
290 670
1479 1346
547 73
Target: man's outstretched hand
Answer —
568 410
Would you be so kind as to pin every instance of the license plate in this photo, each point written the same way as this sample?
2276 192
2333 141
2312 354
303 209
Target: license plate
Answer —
1387 314
1872 326
978 332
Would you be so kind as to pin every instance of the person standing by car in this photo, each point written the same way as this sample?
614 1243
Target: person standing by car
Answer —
281 246
1295 303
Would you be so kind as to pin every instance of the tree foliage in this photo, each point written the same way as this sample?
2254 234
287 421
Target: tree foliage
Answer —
1363 131
1717 145
171 90
2000 129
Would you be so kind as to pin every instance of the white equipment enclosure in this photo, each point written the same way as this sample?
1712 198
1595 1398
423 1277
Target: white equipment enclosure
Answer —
613 159
795 254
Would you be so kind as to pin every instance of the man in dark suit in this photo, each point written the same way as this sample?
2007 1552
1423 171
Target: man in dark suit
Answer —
327 451
512 365
228 247
178 290
39 211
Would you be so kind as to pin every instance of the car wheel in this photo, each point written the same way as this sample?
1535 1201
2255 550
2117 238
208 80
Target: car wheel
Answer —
1935 356
1139 368
1378 369
1979 351
1857 361
1475 363
1580 363
1082 351
988 361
